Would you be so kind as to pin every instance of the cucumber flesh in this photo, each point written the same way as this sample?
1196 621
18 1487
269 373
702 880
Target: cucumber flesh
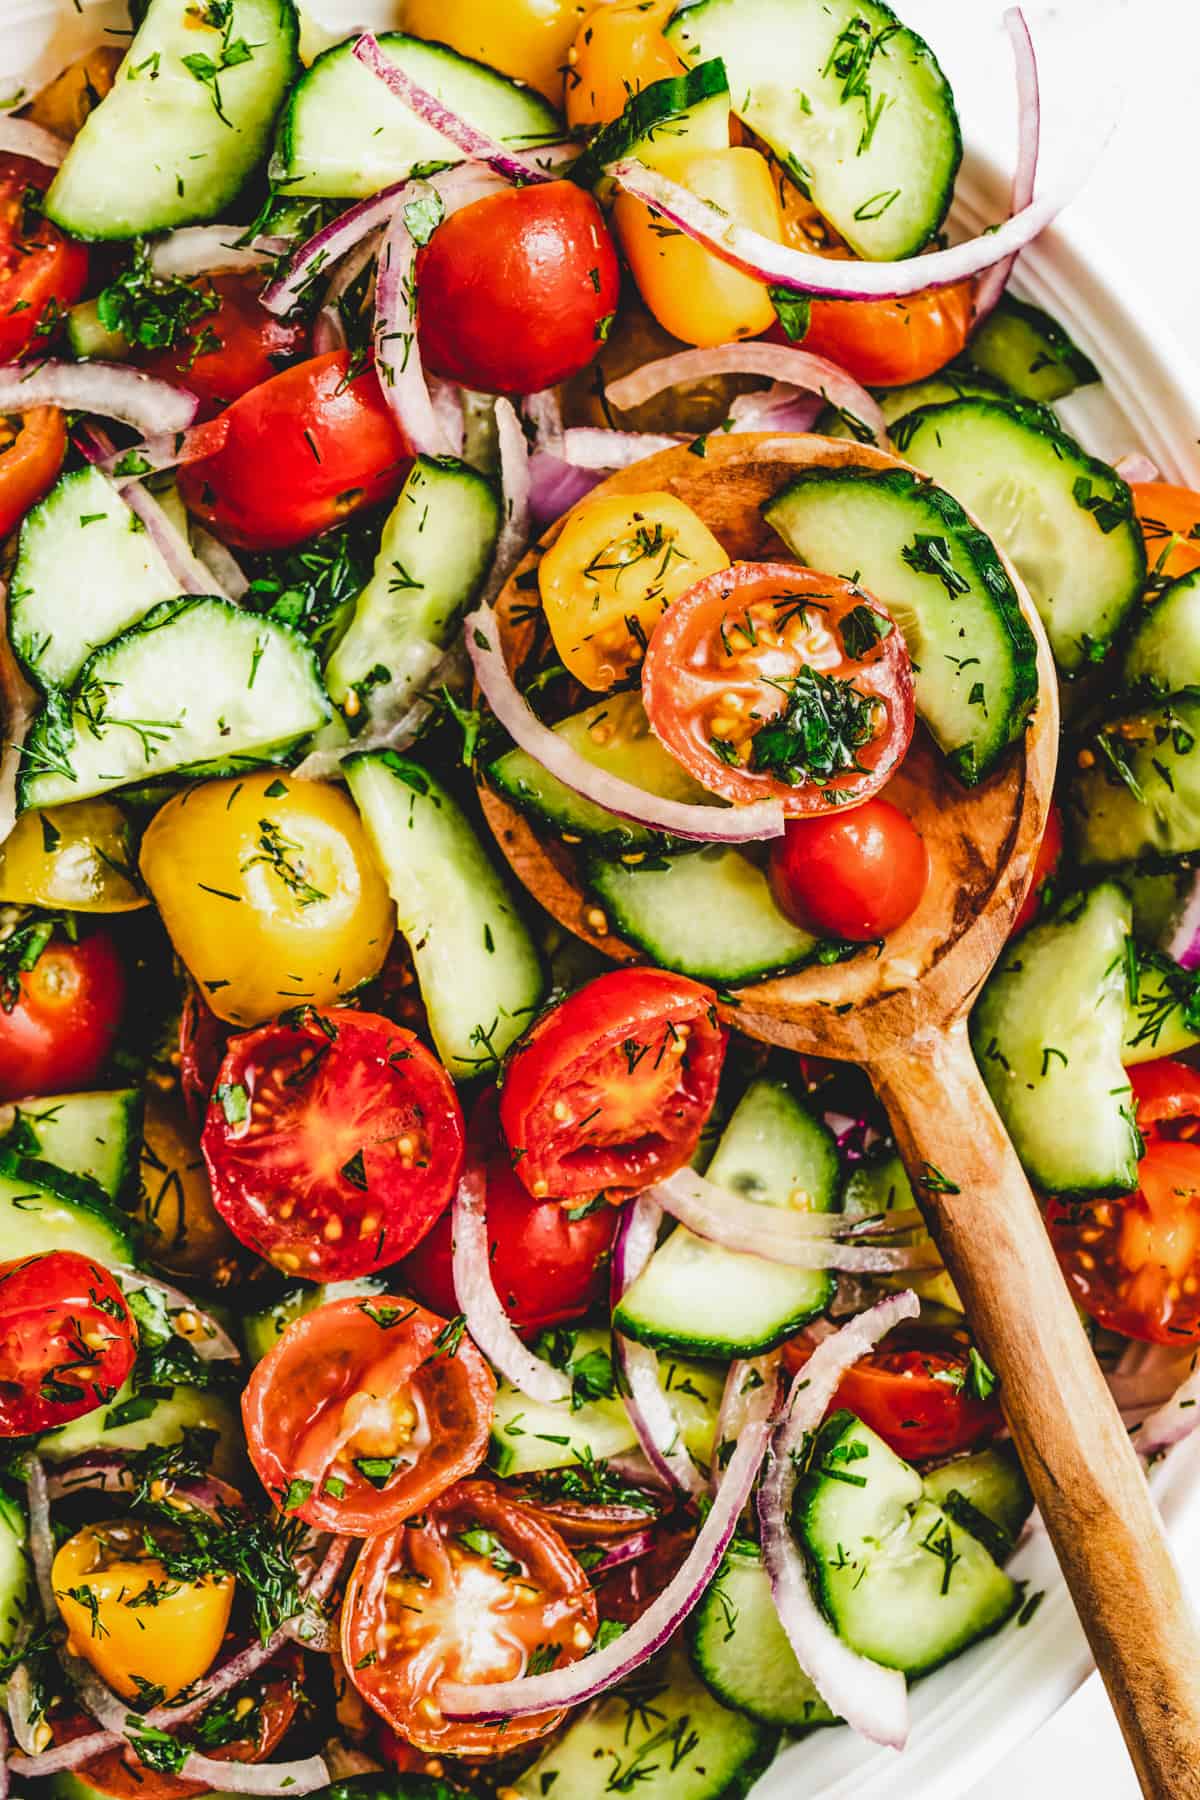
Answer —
853 105
479 972
263 1326
950 383
1064 517
1031 353
43 1208
1138 801
697 1298
16 1575
158 1419
93 1135
1048 1032
186 122
986 1493
1162 1014
1162 652
880 1184
914 549
741 1651
681 112
88 337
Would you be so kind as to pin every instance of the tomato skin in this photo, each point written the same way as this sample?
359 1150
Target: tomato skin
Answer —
42 271
202 1042
855 875
252 344
889 343
652 1099
902 1392
31 454
58 1036
552 1604
63 1322
719 657
333 1141
619 50
1170 520
309 1391
1167 1092
272 485
1045 868
514 291
626 1592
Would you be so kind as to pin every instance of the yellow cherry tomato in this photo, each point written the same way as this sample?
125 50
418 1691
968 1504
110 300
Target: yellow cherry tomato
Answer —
691 293
78 856
270 893
616 567
129 1619
527 39
619 50
185 1234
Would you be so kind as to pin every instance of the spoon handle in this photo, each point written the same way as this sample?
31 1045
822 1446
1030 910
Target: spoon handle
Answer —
1085 1475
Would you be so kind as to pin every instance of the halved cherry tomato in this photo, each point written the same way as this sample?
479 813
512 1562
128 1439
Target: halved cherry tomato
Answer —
517 291
1044 868
917 1391
32 447
67 1341
610 1089
226 352
469 1592
60 1020
856 874
1167 1097
333 1142
202 1042
769 680
629 1589
42 272
365 1410
549 1262
304 451
1170 521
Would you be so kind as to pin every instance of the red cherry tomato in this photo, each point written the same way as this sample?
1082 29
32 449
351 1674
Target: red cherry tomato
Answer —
1167 1096
917 1391
57 1029
611 1088
364 1411
629 1589
32 447
67 1341
856 874
469 1592
547 1265
202 1041
226 352
41 271
517 291
769 680
1044 869
304 451
333 1142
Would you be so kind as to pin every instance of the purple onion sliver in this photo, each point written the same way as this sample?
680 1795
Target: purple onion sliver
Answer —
630 1549
329 245
1029 136
21 137
1182 940
1175 1420
487 1322
110 390
1137 467
286 1778
649 1408
556 486
211 250
799 370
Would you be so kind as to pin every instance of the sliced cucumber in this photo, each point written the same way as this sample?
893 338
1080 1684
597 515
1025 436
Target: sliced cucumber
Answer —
707 913
85 570
900 1580
88 337
343 134
1064 517
1030 352
136 1421
1157 900
529 1436
435 550
43 1208
16 1574
479 972
663 1737
188 118
1048 1031
950 383
880 1184
986 1493
1162 1008
614 734
912 547
741 1651
681 112
263 1326
1138 799
94 1135
1162 651
195 679
695 1297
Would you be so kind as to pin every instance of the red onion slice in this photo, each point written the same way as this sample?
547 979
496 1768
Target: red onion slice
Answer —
777 408
1175 1420
487 1321
543 410
169 450
24 1710
649 1408
221 563
185 567
4 1778
871 1699
476 145
798 368
675 818
41 1537
591 447
108 390
555 486
210 1341
21 137
1029 135
627 1550
601 1670
211 250
329 245
285 1778
1136 467
515 485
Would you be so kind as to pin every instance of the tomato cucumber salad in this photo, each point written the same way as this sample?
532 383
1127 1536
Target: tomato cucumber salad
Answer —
443 1355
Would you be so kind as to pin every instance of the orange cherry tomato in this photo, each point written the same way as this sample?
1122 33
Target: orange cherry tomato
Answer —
915 1391
471 1591
364 1411
1170 521
856 874
1044 869
32 447
620 49
889 343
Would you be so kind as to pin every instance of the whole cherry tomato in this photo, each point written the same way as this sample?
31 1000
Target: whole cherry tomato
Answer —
59 1016
856 874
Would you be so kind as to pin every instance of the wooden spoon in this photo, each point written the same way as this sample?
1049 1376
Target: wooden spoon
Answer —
902 1017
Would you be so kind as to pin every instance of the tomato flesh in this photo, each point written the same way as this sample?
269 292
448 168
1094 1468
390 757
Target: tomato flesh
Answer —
224 353
58 1028
1170 520
365 1410
766 680
611 1089
915 1391
32 448
42 272
471 1591
333 1142
856 875
67 1341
